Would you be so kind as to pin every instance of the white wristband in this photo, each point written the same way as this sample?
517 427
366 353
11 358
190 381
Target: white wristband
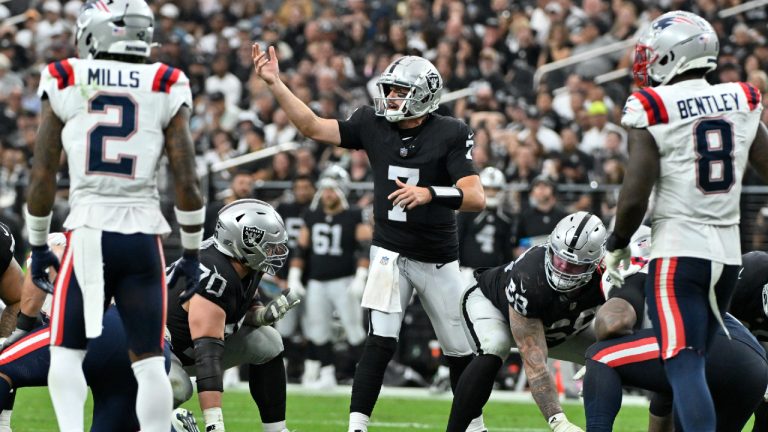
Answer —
37 228
191 241
192 217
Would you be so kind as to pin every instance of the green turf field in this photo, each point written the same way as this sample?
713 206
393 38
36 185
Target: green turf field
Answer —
317 413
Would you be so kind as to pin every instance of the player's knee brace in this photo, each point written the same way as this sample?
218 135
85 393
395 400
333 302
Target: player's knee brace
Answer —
208 354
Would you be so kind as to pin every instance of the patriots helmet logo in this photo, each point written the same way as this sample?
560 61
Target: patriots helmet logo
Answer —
252 236
663 23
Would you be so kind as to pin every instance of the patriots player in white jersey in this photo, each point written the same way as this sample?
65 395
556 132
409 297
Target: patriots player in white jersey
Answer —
691 141
115 116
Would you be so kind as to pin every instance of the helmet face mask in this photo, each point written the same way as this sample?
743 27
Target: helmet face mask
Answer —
336 178
424 85
494 182
575 249
253 233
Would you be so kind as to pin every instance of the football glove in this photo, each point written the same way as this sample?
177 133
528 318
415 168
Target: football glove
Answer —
42 259
16 336
613 259
357 287
559 423
275 309
189 266
183 421
294 282
580 374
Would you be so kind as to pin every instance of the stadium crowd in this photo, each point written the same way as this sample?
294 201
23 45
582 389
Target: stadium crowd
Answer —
563 130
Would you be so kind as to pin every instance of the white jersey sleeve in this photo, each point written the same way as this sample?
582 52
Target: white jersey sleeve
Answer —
633 115
174 82
704 133
55 80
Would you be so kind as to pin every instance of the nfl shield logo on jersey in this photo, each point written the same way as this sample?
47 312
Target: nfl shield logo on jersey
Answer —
384 260
403 152
252 236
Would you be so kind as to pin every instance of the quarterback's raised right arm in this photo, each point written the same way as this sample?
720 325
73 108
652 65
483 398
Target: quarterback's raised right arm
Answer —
310 125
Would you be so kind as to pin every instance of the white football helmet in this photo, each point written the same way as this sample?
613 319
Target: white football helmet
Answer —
423 81
493 181
252 232
674 43
574 250
114 27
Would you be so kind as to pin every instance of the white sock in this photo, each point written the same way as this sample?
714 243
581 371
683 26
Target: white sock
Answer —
5 420
476 425
275 427
358 421
154 398
67 386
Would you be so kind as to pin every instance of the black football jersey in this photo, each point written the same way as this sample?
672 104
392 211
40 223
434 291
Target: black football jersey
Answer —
332 243
219 283
750 300
485 239
7 247
523 285
439 154
293 217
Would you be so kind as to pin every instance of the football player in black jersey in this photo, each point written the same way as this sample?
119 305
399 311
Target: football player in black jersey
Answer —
422 172
293 215
336 239
543 303
10 281
223 324
486 238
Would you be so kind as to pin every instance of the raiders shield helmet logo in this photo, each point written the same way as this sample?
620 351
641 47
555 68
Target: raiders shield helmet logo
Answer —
252 236
433 82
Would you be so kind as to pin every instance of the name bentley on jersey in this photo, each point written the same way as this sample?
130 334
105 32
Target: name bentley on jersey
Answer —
708 104
115 117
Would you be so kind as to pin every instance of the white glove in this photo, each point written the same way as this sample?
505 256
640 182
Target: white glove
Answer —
276 309
558 423
183 420
357 287
294 282
612 261
214 420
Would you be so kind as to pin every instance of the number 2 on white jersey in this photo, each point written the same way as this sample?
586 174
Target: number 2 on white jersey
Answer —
98 137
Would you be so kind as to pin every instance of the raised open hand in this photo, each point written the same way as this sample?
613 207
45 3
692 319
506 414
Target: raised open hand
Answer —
265 64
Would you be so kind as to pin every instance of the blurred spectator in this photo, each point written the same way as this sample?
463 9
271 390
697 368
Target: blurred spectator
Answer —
280 130
224 81
541 134
594 138
240 187
574 163
539 217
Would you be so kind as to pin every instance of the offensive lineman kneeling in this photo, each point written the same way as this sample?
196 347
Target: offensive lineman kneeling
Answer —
223 324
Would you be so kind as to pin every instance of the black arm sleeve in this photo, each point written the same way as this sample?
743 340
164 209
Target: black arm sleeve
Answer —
208 354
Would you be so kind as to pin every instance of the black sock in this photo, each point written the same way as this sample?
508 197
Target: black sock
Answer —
457 366
602 396
324 353
369 374
472 390
267 384
311 351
